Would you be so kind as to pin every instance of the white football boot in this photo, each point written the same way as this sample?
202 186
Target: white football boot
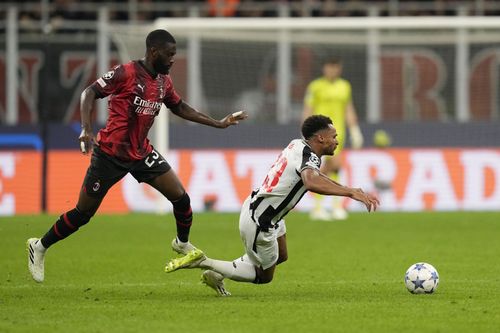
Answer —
339 214
36 259
215 281
180 247
319 215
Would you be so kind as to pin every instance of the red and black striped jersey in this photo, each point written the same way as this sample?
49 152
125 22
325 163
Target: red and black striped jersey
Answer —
135 100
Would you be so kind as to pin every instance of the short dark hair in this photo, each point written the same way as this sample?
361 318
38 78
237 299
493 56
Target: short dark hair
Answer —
313 124
333 61
158 38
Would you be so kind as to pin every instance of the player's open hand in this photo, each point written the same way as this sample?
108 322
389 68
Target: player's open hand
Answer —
371 202
234 118
87 141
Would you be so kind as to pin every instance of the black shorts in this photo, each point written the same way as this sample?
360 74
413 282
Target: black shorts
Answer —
105 171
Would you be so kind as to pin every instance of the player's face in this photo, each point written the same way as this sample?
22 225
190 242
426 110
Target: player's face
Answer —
330 142
332 71
163 58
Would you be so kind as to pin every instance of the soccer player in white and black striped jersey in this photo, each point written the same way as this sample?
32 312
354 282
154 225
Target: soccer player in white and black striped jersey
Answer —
262 227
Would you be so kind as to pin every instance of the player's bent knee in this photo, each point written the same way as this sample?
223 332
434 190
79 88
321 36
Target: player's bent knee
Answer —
263 280
183 203
182 210
264 277
282 258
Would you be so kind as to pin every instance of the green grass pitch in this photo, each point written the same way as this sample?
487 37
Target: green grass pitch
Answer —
340 276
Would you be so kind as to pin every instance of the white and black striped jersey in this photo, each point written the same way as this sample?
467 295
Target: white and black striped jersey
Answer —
283 188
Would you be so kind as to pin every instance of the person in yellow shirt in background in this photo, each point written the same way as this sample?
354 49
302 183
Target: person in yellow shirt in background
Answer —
330 95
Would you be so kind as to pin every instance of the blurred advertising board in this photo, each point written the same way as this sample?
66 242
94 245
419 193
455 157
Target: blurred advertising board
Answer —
405 179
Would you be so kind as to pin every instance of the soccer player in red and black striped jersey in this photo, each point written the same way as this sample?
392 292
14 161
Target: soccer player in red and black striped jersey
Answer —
136 92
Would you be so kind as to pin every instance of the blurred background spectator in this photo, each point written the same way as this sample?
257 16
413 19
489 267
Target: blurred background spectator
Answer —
31 12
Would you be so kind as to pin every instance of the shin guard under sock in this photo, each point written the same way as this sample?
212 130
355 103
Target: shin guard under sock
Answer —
67 224
183 217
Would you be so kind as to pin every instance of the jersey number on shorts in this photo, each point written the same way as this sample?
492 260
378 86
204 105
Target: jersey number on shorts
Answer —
152 158
273 177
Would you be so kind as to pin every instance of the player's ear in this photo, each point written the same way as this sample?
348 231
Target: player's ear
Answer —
153 51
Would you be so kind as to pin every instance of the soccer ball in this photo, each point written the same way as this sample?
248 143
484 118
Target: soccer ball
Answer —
421 278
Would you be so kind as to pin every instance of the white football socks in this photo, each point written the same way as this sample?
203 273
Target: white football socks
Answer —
39 246
238 270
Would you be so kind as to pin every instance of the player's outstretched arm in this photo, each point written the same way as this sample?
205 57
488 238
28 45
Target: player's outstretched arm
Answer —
316 182
86 138
185 111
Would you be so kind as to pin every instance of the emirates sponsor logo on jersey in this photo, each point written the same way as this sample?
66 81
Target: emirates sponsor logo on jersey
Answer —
146 107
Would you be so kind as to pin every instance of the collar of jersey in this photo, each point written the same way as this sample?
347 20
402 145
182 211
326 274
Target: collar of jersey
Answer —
141 62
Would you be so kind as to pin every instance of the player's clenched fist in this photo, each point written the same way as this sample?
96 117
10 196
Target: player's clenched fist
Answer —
87 141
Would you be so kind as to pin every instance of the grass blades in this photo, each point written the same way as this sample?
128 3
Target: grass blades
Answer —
343 276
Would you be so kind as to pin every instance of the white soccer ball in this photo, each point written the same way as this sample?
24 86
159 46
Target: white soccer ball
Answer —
421 278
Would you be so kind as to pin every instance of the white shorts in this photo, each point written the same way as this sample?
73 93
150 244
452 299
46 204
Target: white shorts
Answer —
262 246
